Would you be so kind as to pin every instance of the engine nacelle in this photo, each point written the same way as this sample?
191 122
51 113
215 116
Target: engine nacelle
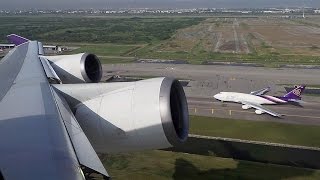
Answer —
129 116
77 68
259 112
246 107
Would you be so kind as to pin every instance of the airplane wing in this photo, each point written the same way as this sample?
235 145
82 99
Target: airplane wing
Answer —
260 92
262 109
39 138
53 122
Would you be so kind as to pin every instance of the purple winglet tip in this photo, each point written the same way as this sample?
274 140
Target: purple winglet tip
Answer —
16 39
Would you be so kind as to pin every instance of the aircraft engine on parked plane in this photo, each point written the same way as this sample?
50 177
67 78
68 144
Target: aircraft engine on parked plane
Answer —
129 116
77 68
259 112
246 107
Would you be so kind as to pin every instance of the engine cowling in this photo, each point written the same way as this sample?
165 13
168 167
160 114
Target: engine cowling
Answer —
77 68
259 112
122 117
246 107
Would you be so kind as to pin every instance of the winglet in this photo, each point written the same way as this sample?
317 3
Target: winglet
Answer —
16 39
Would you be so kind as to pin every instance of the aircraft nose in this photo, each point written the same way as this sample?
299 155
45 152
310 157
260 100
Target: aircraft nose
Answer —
217 96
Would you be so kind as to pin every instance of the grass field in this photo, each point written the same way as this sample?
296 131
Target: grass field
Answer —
307 85
105 49
116 60
257 131
170 165
125 30
267 41
174 165
108 53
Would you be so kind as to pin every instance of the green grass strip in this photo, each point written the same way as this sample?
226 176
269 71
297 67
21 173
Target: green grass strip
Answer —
304 135
170 165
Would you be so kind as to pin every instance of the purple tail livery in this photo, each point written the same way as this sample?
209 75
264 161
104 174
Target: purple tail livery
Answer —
295 94
16 39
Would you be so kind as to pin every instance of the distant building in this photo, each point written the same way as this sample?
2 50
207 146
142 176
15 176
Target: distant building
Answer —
317 11
50 49
272 12
6 46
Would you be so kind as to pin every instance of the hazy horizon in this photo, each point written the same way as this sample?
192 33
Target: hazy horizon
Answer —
69 4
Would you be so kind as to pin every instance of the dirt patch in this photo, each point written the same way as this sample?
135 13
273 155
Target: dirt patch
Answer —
263 36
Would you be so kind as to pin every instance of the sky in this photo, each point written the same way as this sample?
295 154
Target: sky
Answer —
73 4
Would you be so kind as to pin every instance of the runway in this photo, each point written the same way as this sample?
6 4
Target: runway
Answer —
207 80
309 114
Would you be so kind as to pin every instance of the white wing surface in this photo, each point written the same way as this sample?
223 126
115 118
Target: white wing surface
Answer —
261 108
260 92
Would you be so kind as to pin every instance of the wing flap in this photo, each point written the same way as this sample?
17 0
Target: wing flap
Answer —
87 157
52 77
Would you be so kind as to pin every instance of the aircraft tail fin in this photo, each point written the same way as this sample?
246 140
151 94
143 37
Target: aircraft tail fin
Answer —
295 93
16 39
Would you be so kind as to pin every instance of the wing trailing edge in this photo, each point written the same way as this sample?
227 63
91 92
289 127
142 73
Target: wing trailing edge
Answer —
87 157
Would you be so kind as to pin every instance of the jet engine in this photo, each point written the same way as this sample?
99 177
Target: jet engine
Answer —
77 68
259 112
129 116
246 107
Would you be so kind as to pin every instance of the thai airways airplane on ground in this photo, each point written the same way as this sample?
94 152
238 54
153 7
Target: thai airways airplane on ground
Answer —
52 124
257 98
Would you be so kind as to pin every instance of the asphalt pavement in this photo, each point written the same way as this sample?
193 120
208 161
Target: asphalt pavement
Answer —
207 80
308 114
